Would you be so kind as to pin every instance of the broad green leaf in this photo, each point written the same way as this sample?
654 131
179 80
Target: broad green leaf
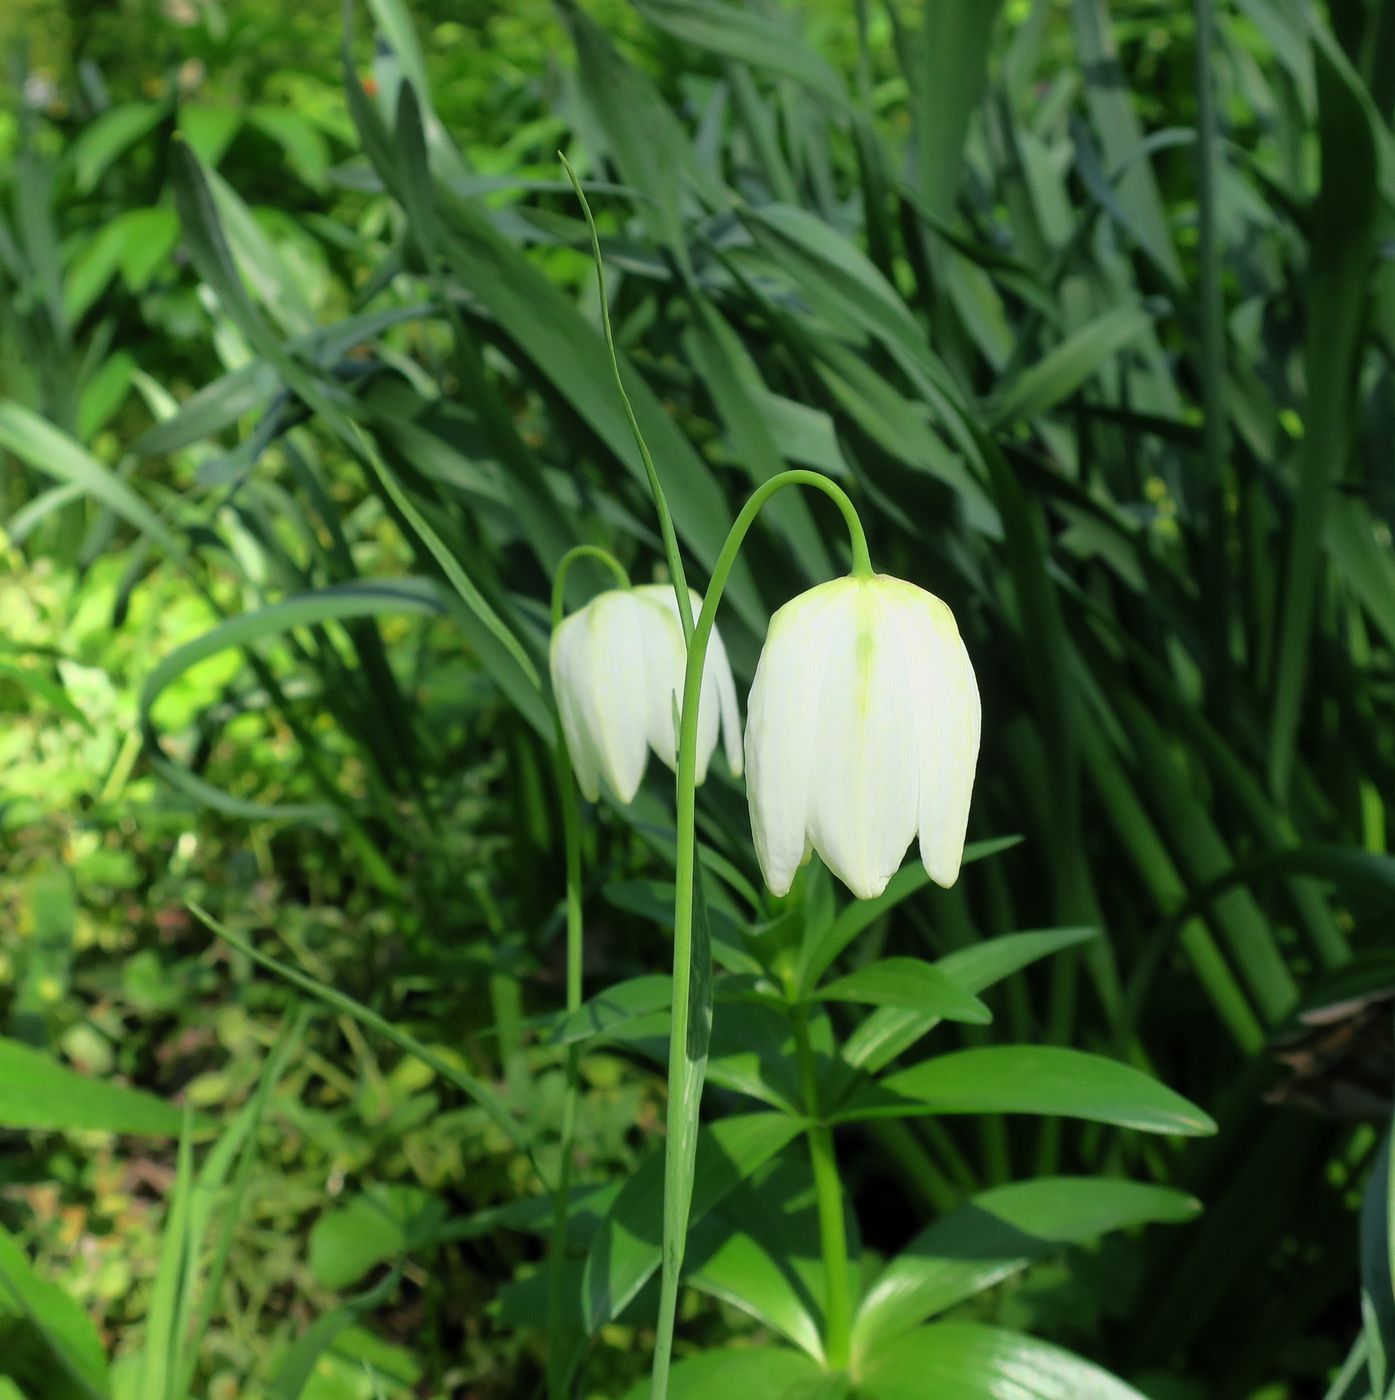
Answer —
1042 1079
999 1233
738 1268
638 996
107 139
768 1372
759 1250
910 984
379 1226
39 1093
635 126
972 1362
887 1032
568 354
69 1334
624 1254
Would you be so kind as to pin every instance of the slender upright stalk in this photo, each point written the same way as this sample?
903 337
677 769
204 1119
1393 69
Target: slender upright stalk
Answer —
688 1036
557 1357
828 1197
687 1051
672 556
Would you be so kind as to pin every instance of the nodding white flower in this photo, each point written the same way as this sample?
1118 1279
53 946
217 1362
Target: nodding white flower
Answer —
617 672
862 729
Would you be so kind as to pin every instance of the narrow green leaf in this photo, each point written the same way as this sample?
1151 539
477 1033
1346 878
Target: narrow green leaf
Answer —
1064 369
881 1037
472 1088
910 984
972 1362
37 1092
1043 1079
67 1331
997 1234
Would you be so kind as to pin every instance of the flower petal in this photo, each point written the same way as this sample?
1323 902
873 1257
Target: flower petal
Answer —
567 667
664 657
949 722
718 675
613 693
864 800
781 719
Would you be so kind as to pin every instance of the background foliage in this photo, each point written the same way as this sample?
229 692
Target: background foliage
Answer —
1091 307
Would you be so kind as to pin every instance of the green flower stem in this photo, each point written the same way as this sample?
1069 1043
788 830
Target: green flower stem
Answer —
559 579
670 539
828 1196
685 1069
571 845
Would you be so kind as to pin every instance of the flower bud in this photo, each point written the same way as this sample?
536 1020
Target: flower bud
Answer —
617 672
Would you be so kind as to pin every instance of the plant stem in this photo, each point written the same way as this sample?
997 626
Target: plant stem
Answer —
687 1055
571 842
828 1196
670 539
571 845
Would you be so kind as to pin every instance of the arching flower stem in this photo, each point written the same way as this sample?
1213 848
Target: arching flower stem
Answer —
685 1070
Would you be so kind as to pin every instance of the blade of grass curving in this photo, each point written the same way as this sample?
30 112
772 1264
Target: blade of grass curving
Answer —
50 450
164 1316
672 556
367 598
240 1138
474 1089
67 1332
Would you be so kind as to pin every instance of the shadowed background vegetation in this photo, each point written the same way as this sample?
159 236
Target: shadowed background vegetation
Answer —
303 394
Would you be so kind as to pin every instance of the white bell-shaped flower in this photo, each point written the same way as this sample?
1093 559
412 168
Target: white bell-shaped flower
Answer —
862 729
617 672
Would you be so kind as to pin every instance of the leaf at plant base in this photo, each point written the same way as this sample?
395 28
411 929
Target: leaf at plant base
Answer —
996 1234
911 984
625 1250
1030 1079
887 1032
967 1361
379 1226
759 1251
37 1092
770 1373
66 1330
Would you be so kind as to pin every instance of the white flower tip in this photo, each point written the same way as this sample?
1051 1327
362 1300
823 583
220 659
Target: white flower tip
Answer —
943 867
